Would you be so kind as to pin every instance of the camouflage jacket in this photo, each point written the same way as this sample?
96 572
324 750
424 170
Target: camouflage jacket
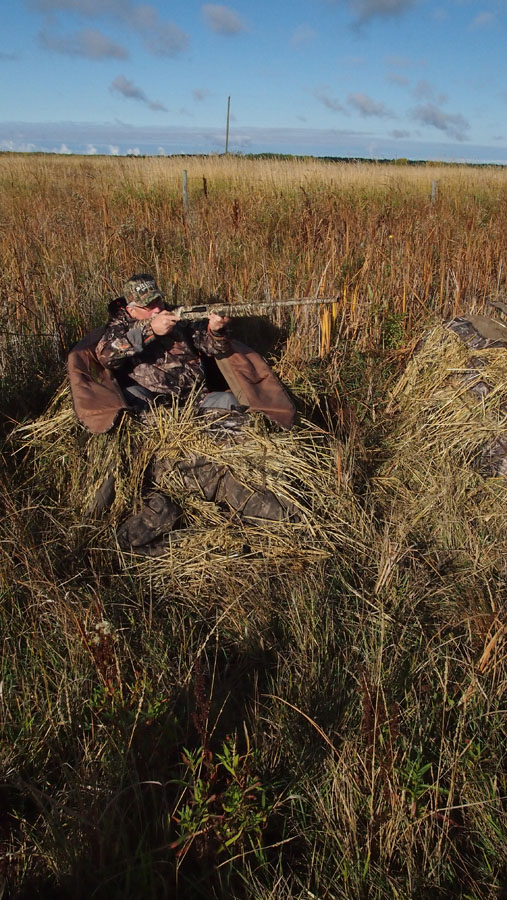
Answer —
168 364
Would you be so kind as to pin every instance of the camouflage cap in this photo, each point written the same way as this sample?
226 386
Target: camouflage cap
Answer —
141 290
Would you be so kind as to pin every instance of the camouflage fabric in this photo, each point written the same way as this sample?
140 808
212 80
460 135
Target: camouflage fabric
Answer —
168 364
142 291
483 333
225 426
145 531
104 496
494 457
479 332
217 484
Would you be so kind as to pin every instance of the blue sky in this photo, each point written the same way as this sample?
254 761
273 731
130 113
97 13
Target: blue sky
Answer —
370 78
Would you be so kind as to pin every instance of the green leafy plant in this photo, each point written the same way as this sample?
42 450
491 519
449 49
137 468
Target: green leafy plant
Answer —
224 805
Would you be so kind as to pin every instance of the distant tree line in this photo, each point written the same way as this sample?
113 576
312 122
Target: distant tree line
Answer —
283 157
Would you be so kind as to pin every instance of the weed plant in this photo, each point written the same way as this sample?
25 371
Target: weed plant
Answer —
315 710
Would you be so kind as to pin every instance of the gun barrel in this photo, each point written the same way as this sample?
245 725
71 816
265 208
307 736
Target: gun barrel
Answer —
232 309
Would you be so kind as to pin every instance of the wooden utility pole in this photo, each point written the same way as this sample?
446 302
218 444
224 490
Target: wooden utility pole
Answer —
227 127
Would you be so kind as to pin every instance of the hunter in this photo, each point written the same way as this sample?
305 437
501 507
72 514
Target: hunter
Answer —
146 353
155 355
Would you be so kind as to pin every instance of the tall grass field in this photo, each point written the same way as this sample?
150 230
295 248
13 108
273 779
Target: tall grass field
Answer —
314 709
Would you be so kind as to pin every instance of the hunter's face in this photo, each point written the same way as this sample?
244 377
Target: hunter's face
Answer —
146 312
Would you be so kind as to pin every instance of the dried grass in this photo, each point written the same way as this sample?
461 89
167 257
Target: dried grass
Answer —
361 650
432 489
214 553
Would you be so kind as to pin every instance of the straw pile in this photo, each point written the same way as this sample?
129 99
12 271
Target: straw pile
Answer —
214 554
439 489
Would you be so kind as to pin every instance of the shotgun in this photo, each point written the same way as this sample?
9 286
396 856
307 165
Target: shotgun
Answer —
233 309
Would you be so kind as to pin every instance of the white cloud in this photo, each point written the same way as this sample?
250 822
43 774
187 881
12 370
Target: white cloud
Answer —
200 94
131 91
370 9
222 19
19 146
332 103
454 126
83 7
64 149
160 37
426 91
120 138
91 150
366 107
89 43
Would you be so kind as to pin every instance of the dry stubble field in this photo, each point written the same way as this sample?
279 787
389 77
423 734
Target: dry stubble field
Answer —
317 712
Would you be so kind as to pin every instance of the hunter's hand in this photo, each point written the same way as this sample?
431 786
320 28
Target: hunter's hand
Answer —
216 323
164 322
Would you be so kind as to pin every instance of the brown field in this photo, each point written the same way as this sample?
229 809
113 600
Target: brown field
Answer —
310 712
